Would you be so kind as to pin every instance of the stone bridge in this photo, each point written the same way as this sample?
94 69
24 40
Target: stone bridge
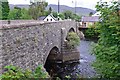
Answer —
29 43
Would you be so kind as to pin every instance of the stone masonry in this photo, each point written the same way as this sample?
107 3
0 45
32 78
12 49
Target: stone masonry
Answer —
28 43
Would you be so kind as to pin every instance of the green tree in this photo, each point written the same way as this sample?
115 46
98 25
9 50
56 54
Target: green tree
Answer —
37 9
68 14
61 15
0 10
107 50
13 14
5 9
25 14
17 13
50 10
55 14
76 17
91 13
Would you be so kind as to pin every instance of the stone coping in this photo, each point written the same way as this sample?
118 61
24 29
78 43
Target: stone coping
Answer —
23 23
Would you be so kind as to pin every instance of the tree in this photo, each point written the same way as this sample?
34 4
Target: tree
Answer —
55 14
76 17
25 14
0 10
61 15
13 14
17 13
5 9
50 10
37 9
107 50
67 14
91 13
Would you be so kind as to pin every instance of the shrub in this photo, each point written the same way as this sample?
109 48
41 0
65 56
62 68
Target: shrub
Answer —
16 73
92 32
73 40
107 50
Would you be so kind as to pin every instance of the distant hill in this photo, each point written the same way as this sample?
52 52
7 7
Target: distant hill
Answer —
79 10
19 5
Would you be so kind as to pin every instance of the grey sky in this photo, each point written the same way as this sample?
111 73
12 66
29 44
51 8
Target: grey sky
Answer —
80 3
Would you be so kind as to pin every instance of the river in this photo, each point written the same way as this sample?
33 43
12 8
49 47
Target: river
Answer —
82 69
86 59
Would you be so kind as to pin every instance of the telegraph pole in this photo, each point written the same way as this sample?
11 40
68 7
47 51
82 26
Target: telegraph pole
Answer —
58 8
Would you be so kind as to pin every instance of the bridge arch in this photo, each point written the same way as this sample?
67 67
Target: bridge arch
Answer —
71 30
52 58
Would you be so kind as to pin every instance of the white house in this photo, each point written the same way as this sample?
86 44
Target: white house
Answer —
97 14
49 18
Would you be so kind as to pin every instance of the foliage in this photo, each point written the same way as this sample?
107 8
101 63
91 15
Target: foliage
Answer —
107 50
25 14
39 73
16 73
5 10
67 14
61 15
93 31
54 14
0 10
37 9
73 40
18 13
50 10
76 17
91 13
14 14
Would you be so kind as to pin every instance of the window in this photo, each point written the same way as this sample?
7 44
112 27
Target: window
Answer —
47 20
51 19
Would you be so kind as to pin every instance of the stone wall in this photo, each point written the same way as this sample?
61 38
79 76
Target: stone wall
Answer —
27 44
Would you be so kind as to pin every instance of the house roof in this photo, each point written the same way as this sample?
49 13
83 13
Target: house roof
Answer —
90 18
42 18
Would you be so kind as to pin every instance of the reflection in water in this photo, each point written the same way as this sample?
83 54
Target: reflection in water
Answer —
73 69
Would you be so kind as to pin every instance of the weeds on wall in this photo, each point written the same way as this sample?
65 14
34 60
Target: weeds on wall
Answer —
73 40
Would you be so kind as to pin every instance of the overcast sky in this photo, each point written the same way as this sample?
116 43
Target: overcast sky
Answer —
80 3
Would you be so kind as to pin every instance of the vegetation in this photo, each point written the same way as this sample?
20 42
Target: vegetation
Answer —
92 32
16 73
70 15
107 50
4 10
37 9
67 15
73 40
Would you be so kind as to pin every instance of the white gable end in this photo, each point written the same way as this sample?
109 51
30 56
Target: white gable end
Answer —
49 18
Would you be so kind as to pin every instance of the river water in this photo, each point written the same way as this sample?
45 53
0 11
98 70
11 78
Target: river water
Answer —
82 68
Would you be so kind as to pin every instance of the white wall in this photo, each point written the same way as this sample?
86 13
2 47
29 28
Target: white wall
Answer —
49 18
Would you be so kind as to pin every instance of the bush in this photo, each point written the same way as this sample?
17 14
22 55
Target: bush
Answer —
107 50
16 73
73 40
92 32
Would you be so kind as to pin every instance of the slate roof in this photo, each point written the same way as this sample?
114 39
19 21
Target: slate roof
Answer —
90 19
42 18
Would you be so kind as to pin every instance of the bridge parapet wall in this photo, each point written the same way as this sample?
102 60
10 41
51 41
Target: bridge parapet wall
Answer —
28 44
